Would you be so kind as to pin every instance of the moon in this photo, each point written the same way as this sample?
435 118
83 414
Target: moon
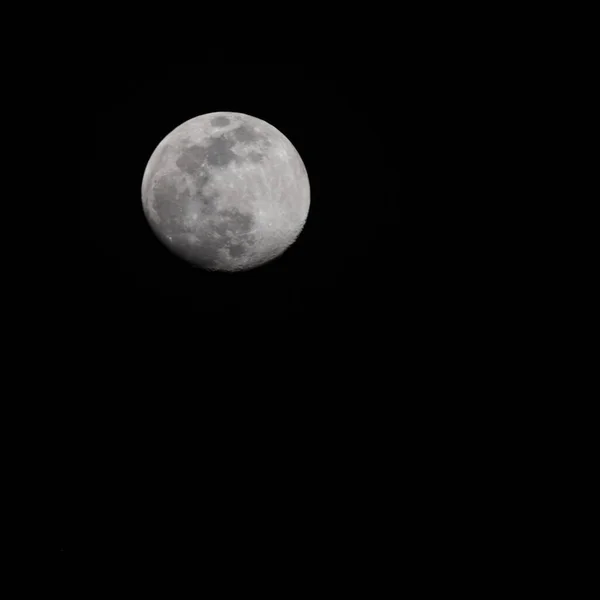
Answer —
226 191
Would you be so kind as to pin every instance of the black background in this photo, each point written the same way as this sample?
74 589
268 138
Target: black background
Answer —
370 287
333 274
176 370
357 346
170 361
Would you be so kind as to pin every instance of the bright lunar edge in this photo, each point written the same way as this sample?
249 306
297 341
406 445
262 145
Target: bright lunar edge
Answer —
226 191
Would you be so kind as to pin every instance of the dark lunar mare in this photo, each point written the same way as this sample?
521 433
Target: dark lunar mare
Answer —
220 121
232 227
190 161
237 250
255 157
219 153
238 223
246 135
233 233
196 160
206 201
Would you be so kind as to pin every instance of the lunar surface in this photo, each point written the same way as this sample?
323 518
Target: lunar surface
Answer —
226 191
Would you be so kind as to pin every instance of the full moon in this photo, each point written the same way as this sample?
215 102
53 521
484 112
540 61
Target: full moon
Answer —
226 191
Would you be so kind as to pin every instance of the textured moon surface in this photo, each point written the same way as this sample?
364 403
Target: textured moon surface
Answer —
226 191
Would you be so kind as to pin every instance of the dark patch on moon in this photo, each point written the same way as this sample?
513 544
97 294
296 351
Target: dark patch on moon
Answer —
229 230
196 160
191 159
232 234
255 157
236 250
219 153
220 121
221 228
206 253
201 179
237 222
206 201
246 135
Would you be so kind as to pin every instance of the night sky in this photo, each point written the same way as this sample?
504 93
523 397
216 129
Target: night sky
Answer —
167 356
174 371
343 132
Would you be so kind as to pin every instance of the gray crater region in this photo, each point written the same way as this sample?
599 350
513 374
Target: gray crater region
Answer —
226 191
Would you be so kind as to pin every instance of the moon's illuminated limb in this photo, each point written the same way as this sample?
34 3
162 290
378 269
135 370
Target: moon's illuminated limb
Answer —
226 191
